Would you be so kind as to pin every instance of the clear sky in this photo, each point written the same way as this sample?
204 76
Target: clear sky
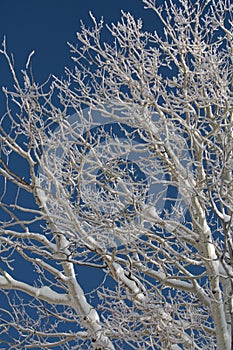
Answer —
46 25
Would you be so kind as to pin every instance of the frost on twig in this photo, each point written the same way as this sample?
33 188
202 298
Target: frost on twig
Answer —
135 189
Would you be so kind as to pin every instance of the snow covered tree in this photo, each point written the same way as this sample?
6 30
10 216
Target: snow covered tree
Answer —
123 170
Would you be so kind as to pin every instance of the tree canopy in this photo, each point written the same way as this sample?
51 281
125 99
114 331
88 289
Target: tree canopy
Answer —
123 167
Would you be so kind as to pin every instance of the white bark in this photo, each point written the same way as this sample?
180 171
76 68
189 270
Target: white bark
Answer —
102 196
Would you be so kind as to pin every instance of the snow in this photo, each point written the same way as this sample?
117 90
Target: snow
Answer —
226 218
130 283
149 212
44 293
175 347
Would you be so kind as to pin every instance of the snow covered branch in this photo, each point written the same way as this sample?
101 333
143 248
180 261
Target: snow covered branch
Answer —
132 193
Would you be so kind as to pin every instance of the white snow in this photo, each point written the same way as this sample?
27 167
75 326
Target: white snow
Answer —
149 212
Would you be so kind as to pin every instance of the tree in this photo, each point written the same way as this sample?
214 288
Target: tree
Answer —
145 198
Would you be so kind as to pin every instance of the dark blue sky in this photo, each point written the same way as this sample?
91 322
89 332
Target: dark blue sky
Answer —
46 25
